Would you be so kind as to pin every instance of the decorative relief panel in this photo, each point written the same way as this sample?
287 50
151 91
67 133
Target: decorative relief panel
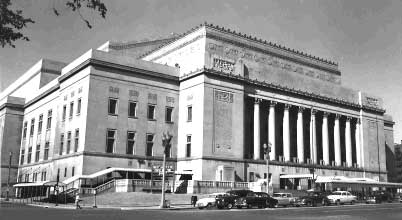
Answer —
222 119
134 93
189 97
169 99
152 98
372 101
113 89
223 65
237 53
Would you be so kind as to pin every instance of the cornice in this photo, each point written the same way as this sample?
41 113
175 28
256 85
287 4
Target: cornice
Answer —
254 39
42 95
277 87
11 106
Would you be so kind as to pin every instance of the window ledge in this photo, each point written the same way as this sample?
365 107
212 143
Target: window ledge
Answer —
169 122
133 117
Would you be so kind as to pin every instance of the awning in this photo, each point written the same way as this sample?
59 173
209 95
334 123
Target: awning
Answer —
41 183
298 176
348 180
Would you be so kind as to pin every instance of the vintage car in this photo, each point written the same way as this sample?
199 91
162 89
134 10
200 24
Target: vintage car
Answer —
313 199
210 200
341 197
259 199
379 197
228 201
284 199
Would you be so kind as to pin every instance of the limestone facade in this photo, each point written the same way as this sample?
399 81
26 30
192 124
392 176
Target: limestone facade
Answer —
221 94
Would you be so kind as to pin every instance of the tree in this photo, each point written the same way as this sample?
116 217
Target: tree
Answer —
11 22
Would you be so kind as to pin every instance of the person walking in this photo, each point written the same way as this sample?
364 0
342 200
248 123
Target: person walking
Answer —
77 201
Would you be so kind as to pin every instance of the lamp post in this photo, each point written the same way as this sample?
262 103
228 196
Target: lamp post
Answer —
8 179
56 189
267 150
94 206
166 138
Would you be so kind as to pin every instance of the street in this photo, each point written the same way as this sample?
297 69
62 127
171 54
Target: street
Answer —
380 211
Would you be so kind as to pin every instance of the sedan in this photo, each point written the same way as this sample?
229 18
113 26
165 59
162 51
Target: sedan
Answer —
259 199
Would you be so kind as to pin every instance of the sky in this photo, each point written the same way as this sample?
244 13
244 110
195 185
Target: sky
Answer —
363 36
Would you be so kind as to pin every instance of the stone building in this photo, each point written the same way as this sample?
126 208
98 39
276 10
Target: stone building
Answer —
221 93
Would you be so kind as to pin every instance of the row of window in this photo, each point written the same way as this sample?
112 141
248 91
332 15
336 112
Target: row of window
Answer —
65 171
113 107
68 142
131 136
71 113
37 153
34 177
40 123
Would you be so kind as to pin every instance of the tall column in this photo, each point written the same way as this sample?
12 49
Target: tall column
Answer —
348 143
286 135
300 135
271 129
313 137
358 147
257 129
325 142
337 141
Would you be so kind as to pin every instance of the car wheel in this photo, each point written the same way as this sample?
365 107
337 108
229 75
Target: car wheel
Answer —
209 206
309 204
239 207
338 202
352 202
200 207
249 206
230 206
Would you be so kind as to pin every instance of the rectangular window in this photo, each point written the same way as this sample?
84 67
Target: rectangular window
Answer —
37 153
151 112
130 142
46 152
113 105
24 131
132 109
189 113
188 146
79 106
76 139
22 156
64 112
65 172
44 176
110 140
49 120
31 132
73 171
27 177
150 144
71 109
169 114
68 142
61 144
29 154
40 124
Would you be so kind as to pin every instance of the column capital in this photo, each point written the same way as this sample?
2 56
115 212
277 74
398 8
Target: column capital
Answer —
337 116
300 109
272 103
313 111
325 114
287 106
257 100
358 121
348 118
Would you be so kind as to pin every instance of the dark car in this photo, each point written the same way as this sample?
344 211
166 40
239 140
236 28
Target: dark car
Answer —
229 200
259 199
380 197
313 199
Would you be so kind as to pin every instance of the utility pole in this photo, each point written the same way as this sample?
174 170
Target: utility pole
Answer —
8 180
166 138
56 189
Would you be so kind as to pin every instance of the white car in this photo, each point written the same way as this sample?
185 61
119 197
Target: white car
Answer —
209 201
341 197
284 199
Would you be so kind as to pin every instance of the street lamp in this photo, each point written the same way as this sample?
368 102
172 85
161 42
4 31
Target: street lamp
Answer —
166 138
94 192
267 150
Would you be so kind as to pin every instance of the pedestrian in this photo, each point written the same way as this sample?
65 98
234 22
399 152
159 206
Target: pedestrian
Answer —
77 201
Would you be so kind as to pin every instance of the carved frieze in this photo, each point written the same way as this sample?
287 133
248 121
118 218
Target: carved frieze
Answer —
235 53
372 101
113 89
133 93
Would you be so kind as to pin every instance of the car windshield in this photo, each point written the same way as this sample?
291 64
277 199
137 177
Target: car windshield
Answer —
336 193
277 195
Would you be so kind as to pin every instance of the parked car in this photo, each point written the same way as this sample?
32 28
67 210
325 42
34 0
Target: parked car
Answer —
228 201
313 199
379 197
259 199
209 201
284 199
341 197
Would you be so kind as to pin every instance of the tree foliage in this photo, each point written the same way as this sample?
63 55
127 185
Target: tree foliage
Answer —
11 22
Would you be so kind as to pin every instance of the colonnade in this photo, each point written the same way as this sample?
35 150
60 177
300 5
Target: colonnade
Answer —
324 138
